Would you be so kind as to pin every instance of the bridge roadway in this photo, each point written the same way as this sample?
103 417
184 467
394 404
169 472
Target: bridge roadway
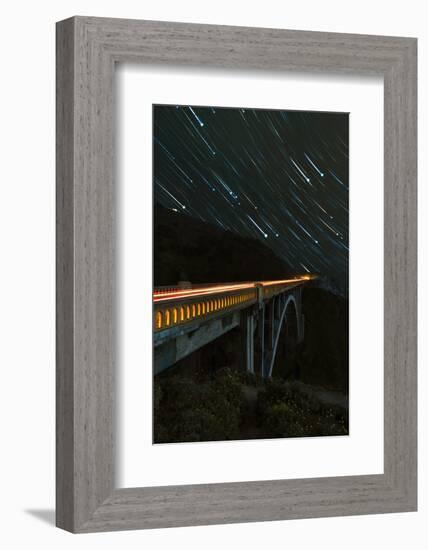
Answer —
187 318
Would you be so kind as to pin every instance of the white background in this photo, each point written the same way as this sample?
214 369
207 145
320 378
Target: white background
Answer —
27 273
362 451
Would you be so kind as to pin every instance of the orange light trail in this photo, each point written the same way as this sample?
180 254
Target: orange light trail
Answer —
191 293
284 281
162 296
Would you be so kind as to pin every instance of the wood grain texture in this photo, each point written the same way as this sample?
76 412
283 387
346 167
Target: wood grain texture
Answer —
87 49
64 278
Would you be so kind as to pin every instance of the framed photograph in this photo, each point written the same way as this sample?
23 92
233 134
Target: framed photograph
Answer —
236 274
246 212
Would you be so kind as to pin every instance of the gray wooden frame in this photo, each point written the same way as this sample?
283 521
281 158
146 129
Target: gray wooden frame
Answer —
87 50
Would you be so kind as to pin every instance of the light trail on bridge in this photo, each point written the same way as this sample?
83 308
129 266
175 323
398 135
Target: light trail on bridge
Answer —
160 296
284 281
166 295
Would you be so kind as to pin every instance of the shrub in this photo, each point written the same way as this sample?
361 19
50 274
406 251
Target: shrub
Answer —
190 411
284 411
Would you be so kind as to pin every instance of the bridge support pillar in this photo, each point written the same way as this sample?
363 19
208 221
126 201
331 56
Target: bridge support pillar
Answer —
247 325
302 328
278 307
271 324
300 317
261 327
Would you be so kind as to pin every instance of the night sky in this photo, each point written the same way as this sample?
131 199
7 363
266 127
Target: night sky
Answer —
279 176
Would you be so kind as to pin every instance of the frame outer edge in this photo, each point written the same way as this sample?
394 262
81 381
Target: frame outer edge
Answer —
86 498
406 262
94 275
400 315
65 41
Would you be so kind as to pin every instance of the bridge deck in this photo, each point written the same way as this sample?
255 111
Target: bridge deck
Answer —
176 306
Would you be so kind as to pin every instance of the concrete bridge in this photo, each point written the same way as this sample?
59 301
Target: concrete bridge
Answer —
188 318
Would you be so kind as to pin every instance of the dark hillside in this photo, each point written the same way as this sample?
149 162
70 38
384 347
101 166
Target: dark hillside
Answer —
322 358
189 249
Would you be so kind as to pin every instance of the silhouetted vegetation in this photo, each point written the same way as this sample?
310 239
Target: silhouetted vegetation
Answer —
189 411
289 410
232 405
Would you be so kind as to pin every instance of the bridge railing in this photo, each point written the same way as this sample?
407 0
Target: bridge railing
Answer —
175 306
184 310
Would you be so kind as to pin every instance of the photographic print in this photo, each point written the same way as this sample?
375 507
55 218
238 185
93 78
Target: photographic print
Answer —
250 282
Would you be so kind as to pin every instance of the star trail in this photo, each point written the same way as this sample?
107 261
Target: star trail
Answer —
277 176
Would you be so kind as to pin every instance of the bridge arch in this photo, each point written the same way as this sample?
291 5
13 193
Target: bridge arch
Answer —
289 312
